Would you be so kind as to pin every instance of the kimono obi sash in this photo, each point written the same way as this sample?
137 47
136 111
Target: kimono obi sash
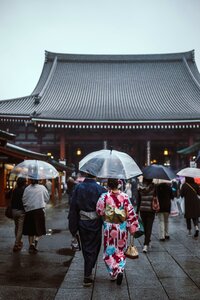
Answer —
114 215
88 215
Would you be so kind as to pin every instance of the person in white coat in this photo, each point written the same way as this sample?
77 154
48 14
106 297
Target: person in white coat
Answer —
34 200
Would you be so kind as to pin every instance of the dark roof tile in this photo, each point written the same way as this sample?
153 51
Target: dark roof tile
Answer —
113 88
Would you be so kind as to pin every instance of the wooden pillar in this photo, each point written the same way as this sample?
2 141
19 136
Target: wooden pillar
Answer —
62 146
191 140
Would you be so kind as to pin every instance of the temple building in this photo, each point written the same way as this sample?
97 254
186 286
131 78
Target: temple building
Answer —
145 105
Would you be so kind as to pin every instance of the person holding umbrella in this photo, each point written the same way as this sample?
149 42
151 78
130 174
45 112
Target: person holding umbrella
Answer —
119 218
189 191
18 212
34 200
165 195
147 191
84 220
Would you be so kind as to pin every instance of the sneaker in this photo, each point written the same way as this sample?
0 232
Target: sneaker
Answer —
145 249
162 240
119 278
167 237
88 281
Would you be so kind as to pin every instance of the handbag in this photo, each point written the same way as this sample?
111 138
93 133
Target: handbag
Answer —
8 212
174 212
155 204
132 251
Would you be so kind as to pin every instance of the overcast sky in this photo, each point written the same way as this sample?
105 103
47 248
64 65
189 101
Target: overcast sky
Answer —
29 27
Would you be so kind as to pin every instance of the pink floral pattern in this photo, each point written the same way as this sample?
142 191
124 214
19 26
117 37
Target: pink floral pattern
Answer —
115 235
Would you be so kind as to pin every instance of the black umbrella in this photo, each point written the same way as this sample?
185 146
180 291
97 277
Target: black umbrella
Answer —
158 172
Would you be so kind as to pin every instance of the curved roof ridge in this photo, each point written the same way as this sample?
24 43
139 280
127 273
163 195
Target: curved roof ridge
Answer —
49 78
49 56
19 98
191 73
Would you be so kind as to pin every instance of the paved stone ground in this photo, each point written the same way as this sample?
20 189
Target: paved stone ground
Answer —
170 270
35 276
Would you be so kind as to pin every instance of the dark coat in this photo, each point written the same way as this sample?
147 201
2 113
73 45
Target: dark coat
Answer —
164 194
85 197
16 200
192 203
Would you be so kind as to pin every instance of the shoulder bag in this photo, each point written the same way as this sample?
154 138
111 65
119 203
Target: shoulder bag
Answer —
155 204
8 212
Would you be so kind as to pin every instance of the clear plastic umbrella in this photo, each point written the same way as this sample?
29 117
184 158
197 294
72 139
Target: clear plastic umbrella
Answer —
189 172
35 169
110 164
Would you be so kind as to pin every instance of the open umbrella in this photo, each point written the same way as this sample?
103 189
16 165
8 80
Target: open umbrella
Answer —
35 169
158 172
109 164
189 172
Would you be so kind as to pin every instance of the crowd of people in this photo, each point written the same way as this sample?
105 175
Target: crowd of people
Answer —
117 205
114 205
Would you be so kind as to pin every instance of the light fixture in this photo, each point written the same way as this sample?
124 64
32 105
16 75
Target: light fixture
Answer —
166 152
78 152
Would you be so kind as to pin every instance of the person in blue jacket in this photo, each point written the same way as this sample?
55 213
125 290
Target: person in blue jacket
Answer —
84 220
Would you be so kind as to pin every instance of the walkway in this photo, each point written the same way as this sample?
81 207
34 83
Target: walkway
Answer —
170 270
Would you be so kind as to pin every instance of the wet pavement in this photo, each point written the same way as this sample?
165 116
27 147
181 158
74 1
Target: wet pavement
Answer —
35 276
170 270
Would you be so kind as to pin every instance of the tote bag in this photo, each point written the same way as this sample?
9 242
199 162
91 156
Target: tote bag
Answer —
174 212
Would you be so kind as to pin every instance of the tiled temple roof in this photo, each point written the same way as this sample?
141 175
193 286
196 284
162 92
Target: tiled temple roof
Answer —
112 89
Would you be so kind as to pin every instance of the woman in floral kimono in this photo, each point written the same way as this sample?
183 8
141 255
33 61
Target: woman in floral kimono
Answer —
119 218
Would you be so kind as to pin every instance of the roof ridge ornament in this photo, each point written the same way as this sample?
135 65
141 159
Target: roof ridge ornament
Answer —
37 99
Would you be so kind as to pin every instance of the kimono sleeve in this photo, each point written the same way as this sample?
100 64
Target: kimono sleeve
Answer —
100 207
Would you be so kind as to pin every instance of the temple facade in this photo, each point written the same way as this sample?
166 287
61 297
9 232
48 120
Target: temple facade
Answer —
145 105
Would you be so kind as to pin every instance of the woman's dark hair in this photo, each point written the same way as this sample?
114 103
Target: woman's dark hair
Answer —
113 183
147 180
189 180
21 181
34 181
